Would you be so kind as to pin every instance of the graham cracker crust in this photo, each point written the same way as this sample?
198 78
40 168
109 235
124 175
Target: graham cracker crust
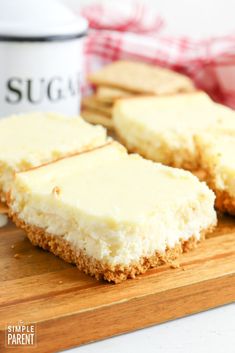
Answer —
118 273
3 205
3 197
224 202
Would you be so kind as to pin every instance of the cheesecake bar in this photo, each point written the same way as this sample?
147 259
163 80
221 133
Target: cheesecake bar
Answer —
29 140
217 159
112 214
164 129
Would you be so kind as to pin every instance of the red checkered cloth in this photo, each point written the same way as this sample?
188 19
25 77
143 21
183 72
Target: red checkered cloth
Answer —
133 32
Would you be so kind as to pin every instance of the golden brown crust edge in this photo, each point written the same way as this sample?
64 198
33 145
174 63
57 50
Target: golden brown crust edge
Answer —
3 206
224 202
60 247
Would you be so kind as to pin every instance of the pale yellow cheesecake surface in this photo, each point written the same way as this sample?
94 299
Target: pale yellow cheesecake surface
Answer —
164 128
116 207
29 140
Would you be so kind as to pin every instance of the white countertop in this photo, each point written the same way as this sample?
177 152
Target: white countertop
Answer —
212 331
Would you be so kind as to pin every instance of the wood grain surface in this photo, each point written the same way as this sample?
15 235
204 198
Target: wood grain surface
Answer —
70 308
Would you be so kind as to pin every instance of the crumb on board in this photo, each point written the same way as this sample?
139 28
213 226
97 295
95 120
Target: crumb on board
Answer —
60 282
56 190
16 256
174 264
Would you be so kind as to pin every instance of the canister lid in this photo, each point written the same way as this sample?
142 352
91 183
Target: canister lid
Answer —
39 20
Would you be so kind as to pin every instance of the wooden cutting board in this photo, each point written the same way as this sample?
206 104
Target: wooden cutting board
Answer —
70 308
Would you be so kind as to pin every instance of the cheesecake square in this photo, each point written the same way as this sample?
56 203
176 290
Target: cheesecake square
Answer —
164 129
112 214
29 140
217 159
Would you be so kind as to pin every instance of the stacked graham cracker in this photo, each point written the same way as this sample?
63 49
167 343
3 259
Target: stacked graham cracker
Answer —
123 79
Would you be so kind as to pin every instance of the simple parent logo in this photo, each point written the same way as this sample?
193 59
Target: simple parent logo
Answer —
20 334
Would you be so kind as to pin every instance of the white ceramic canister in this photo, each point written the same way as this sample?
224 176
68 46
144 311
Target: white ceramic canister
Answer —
41 57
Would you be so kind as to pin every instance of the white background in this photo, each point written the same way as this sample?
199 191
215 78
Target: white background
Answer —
197 18
214 330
